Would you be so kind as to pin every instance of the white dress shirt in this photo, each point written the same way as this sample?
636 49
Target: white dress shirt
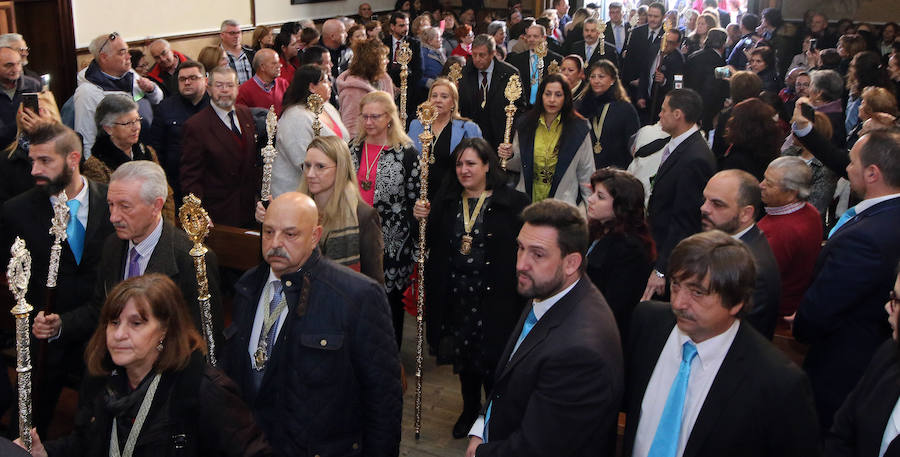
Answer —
261 308
83 199
540 308
145 248
891 430
223 115
704 368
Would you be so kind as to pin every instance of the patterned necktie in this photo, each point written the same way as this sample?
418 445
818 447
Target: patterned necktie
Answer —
234 127
666 153
535 80
273 305
74 230
134 268
665 441
484 85
849 214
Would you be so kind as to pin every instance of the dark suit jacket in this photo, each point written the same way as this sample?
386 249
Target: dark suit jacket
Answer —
842 314
859 424
610 37
335 359
559 393
671 64
522 62
758 405
416 90
699 74
639 53
762 314
170 257
676 195
609 53
220 170
492 118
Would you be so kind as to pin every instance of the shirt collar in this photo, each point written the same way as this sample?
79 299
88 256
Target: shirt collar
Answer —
541 307
738 235
714 349
677 140
553 124
147 245
870 202
266 87
785 209
219 111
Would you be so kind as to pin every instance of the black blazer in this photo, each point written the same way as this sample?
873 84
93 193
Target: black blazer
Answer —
619 265
859 424
758 405
609 53
492 118
639 53
700 75
610 37
672 64
416 90
842 314
833 157
762 314
620 124
170 257
676 195
522 62
559 393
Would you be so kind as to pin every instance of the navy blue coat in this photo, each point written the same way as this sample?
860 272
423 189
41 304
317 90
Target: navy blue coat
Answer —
332 384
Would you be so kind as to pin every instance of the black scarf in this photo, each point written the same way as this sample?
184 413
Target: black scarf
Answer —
107 83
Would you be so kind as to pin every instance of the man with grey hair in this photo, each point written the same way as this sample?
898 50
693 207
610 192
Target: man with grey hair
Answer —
497 29
240 57
110 71
592 48
265 88
526 62
17 42
827 88
13 83
163 72
617 29
792 225
143 243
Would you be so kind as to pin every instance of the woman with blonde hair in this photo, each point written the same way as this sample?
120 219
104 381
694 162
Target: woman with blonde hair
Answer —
212 57
697 39
365 74
387 167
445 98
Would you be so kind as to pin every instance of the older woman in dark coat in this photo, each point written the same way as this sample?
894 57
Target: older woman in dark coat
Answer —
472 301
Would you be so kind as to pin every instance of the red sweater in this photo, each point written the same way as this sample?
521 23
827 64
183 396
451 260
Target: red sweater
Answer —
795 239
253 96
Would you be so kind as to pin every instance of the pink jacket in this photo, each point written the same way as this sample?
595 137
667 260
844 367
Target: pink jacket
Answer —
351 89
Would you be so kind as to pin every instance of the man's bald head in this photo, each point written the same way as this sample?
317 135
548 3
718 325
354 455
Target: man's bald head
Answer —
290 232
334 33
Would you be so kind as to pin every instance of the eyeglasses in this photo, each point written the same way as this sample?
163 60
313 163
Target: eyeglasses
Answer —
131 123
192 78
894 301
317 167
233 33
372 117
111 37
23 51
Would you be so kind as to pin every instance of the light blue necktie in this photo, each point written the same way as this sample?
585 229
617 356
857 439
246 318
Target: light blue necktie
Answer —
535 78
665 442
529 324
74 230
849 214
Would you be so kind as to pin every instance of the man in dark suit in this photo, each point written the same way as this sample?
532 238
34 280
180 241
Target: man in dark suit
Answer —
484 73
643 47
730 201
700 75
220 161
416 90
559 381
591 49
842 314
617 30
676 192
324 377
55 153
143 243
661 78
526 62
701 381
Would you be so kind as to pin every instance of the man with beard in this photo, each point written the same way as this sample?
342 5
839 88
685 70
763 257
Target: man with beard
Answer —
701 382
731 198
311 346
559 382
55 153
220 160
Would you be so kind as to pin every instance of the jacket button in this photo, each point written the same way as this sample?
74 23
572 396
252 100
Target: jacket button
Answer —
487 288
323 343
288 283
355 446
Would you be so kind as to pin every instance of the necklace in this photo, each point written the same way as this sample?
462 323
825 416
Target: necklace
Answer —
469 222
270 317
366 184
598 129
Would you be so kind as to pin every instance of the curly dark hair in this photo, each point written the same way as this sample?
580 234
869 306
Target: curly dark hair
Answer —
627 193
752 126
367 59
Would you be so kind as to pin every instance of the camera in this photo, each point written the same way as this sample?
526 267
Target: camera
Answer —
723 72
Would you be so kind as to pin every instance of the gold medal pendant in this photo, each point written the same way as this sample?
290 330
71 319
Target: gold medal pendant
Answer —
466 247
260 357
366 185
598 148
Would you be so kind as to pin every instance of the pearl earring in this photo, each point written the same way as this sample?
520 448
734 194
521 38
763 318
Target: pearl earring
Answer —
159 347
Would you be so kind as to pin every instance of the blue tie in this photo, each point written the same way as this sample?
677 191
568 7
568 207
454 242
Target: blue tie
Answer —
74 230
535 78
849 214
665 442
529 324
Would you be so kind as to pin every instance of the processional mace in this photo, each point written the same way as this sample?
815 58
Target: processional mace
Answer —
18 274
427 114
268 154
403 56
195 222
513 92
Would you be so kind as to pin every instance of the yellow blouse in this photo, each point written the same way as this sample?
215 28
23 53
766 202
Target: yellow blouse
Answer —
546 153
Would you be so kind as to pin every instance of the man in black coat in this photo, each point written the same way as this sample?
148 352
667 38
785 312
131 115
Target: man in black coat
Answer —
617 29
661 79
488 112
700 75
676 191
558 385
169 118
416 91
143 243
731 198
55 152
739 395
324 377
591 49
643 47
527 63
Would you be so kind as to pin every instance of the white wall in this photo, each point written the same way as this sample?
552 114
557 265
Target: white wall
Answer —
280 11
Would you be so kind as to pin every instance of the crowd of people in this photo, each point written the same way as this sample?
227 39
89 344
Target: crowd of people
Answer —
676 185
